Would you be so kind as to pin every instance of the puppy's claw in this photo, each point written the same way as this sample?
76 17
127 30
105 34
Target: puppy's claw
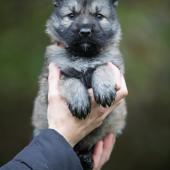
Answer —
105 99
80 112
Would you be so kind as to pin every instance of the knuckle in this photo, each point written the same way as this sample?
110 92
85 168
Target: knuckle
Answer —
125 93
118 87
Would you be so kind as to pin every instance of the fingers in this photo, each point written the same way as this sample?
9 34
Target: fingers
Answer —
122 92
53 81
98 150
117 75
93 102
120 83
103 151
108 143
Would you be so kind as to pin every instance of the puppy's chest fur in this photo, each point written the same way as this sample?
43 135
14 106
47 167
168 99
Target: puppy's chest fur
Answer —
80 66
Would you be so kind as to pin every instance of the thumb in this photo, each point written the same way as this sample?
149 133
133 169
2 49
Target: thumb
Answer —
53 80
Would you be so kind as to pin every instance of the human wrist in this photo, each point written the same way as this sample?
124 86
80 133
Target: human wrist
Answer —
70 137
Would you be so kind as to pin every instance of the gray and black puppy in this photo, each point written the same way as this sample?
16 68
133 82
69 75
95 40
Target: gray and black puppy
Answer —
89 32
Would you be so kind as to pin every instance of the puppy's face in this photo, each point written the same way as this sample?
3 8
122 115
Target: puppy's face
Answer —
84 26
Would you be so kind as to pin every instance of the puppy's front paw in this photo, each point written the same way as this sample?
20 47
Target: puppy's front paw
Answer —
76 96
104 94
103 85
80 107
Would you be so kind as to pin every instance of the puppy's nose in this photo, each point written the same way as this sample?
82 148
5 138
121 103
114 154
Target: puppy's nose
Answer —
85 32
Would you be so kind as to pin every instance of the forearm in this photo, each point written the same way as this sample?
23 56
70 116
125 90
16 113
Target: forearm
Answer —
47 151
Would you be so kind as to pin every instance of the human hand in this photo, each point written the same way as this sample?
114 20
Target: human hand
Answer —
60 118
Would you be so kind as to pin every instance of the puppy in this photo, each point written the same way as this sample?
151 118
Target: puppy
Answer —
89 32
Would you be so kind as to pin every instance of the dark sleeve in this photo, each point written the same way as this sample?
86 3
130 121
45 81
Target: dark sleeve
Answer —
47 151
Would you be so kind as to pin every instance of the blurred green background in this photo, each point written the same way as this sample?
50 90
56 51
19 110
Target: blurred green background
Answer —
145 143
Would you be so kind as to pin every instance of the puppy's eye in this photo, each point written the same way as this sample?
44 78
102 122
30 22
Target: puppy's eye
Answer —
99 16
71 15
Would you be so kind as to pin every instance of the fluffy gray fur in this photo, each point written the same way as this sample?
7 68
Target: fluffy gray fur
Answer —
64 25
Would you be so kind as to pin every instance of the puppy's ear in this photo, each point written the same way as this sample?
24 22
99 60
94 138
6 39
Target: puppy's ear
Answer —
115 3
56 3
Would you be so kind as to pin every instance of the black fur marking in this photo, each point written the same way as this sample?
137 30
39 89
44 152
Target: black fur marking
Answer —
79 150
78 48
86 161
85 156
85 77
